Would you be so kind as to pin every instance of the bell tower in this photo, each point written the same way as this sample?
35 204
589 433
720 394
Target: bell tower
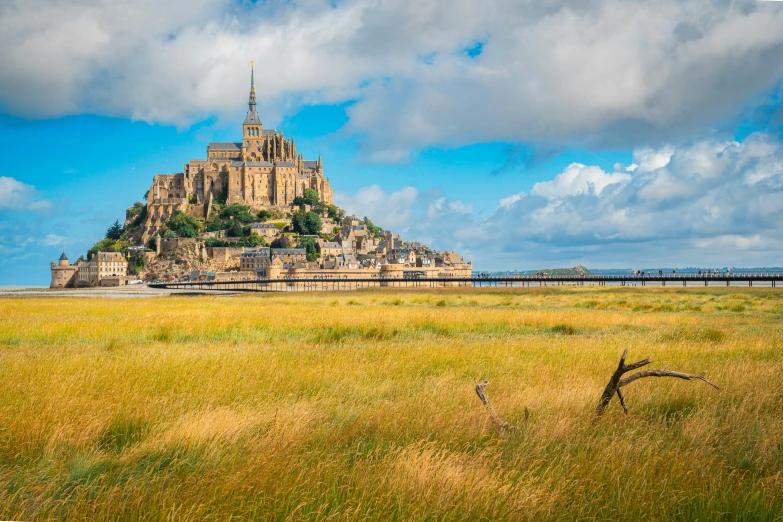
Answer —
251 135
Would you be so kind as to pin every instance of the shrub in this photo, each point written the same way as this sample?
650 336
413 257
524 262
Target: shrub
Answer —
183 224
310 246
212 242
306 223
282 242
235 230
311 197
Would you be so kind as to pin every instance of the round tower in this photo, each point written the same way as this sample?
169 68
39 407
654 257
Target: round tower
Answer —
63 274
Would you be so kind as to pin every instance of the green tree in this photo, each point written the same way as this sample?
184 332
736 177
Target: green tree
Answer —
313 223
335 212
183 224
311 197
306 223
299 201
235 229
310 246
114 232
298 222
252 240
214 226
374 229
263 215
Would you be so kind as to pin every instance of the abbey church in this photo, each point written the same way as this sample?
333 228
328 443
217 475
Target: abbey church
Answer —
264 170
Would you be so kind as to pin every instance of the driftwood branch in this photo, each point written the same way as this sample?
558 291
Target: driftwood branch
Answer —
501 425
617 380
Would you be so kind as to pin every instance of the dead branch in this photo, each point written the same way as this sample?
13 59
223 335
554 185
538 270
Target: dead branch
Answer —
500 423
617 380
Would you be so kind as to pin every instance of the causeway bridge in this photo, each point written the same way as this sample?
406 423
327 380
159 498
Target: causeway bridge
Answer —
311 284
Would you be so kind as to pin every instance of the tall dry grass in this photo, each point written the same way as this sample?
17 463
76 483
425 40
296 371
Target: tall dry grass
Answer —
360 406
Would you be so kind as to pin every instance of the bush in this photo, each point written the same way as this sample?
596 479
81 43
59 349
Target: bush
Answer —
214 226
311 197
136 264
183 224
253 240
235 230
282 242
335 212
299 201
234 210
263 215
372 227
212 242
306 223
310 246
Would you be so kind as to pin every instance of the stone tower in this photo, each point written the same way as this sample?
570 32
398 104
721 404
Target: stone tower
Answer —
63 274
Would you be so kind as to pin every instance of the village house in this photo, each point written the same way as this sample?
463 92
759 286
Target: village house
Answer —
266 230
255 260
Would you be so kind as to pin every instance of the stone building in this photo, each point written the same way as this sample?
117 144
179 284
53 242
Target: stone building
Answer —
255 259
264 170
104 269
63 274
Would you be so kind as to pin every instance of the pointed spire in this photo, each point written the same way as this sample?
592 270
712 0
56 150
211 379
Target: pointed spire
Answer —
252 115
252 102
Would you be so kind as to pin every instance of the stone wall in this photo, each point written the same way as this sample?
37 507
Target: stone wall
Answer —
224 254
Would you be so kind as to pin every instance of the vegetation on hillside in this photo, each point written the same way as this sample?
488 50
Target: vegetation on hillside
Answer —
361 405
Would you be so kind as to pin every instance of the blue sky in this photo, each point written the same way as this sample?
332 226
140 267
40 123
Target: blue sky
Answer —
523 134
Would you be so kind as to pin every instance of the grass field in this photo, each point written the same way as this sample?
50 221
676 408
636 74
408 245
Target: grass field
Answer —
361 405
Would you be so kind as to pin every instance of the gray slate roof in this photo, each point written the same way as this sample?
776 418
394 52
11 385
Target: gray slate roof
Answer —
225 146
288 251
252 118
311 164
285 164
262 225
251 164
259 252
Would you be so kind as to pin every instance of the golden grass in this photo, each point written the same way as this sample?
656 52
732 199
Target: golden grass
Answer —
361 405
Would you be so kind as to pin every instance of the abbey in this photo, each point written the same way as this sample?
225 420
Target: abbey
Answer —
264 170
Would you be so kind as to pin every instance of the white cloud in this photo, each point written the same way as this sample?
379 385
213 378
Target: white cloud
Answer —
576 180
507 202
16 195
616 71
53 240
392 211
585 215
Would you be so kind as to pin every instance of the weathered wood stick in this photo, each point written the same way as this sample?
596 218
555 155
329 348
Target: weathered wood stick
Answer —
665 373
614 381
617 380
500 423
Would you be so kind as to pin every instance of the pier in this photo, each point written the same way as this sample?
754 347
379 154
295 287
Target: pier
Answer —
765 279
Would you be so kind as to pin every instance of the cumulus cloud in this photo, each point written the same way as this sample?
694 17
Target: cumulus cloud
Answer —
15 195
619 72
732 215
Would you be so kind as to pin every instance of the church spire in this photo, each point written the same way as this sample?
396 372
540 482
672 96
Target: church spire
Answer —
252 115
252 102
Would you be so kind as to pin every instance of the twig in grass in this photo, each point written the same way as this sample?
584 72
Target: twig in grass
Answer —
502 425
617 380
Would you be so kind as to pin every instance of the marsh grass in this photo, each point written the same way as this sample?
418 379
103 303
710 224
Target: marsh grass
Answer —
361 406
